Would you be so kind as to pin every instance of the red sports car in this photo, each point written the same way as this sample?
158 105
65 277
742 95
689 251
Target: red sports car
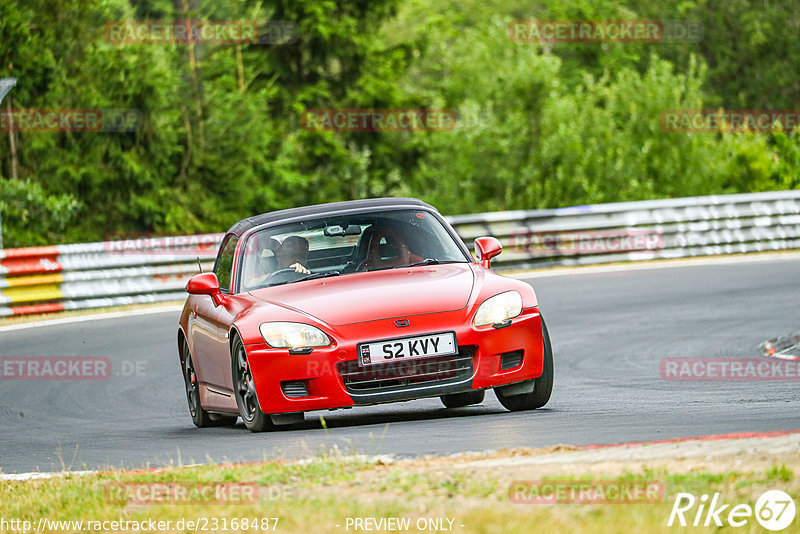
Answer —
356 303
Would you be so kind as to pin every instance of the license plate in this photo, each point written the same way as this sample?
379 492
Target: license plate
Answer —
407 348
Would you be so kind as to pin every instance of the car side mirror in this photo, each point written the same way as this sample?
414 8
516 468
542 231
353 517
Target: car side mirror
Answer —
206 284
488 247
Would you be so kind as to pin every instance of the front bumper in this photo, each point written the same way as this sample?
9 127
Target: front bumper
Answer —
332 378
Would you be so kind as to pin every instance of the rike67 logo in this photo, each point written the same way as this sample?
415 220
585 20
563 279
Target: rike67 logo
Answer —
774 510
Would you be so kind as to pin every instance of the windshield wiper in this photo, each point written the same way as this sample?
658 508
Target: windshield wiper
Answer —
426 261
319 275
309 277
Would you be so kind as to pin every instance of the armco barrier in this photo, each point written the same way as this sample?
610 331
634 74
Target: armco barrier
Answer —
630 231
137 270
94 275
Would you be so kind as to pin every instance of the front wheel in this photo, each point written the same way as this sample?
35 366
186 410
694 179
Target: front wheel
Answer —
542 386
245 391
200 417
459 400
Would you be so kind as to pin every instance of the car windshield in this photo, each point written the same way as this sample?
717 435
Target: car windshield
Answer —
342 245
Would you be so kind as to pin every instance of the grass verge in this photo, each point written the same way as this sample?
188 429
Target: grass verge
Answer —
330 492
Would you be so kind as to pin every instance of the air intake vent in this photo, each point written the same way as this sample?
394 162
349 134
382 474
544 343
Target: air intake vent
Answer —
509 360
294 389
380 378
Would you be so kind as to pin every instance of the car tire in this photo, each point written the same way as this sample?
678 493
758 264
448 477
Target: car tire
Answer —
244 390
200 417
542 386
459 400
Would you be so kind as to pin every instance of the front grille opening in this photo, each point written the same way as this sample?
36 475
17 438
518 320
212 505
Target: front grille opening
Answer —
400 375
295 389
509 360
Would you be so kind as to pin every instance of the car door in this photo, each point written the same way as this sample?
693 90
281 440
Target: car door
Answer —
220 356
210 331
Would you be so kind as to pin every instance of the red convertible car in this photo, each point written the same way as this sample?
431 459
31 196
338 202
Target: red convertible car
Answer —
356 303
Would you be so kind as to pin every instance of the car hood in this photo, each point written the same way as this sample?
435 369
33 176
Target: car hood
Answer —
359 297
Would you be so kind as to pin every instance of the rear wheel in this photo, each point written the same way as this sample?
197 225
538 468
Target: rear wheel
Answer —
244 389
542 386
200 417
459 400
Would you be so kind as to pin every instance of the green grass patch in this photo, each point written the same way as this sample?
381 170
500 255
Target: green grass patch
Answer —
328 493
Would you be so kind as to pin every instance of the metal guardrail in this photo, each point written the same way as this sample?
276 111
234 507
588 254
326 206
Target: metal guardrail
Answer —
151 269
130 270
644 230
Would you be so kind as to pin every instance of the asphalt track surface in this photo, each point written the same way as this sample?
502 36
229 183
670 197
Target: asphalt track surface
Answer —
609 332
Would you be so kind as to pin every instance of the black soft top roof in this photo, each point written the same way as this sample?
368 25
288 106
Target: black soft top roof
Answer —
330 208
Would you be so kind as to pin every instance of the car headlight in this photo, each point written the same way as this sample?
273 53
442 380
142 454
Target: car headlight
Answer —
293 335
498 308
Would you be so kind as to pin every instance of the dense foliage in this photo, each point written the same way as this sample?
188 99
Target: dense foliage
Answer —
539 125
